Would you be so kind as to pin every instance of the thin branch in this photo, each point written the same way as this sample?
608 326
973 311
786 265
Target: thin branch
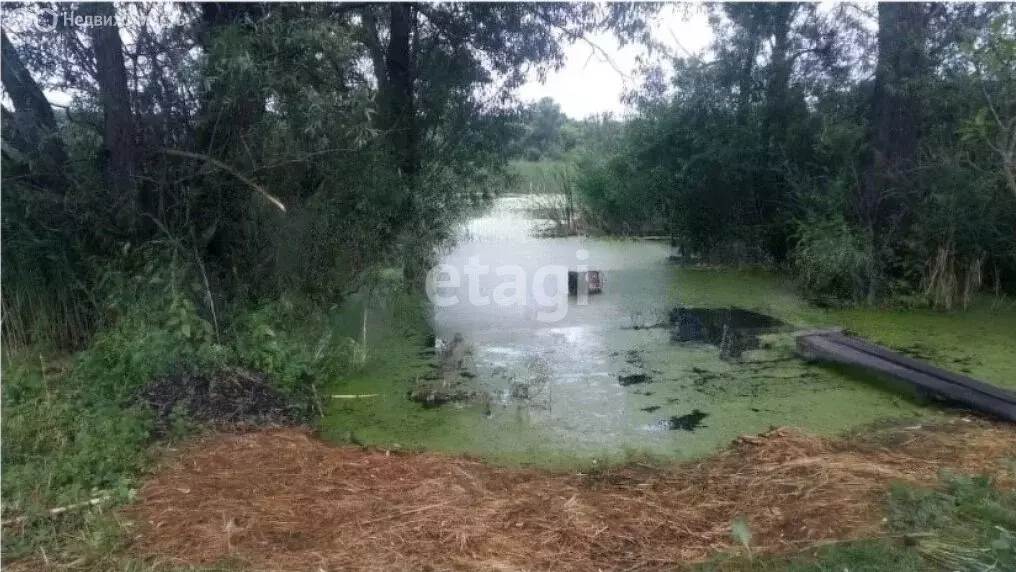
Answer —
303 159
224 167
574 36
62 509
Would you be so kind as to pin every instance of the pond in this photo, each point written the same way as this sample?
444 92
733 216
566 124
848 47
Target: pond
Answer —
666 361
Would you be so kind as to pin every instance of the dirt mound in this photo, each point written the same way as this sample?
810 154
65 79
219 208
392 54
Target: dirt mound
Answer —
224 398
283 500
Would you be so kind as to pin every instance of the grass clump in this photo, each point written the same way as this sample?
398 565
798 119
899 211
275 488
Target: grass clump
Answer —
966 524
61 447
969 523
860 556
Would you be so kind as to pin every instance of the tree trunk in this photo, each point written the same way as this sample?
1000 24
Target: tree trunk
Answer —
744 82
32 121
398 64
895 111
118 120
778 85
779 18
393 69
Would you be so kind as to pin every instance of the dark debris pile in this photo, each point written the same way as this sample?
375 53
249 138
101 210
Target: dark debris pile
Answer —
226 398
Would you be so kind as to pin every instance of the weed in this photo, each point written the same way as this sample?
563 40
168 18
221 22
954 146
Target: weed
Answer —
972 519
967 524
861 556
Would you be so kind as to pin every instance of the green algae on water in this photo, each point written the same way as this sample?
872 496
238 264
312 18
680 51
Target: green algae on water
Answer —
578 413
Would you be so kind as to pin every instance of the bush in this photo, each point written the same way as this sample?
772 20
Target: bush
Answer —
835 261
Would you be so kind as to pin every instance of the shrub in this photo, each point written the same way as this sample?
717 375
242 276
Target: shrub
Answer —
835 261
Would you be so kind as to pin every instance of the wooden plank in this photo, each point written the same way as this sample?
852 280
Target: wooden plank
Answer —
923 367
830 349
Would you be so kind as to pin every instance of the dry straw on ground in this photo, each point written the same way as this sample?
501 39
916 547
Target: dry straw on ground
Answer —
282 500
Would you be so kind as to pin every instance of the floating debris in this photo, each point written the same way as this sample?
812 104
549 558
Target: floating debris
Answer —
450 382
436 396
520 391
650 409
634 358
633 379
634 371
688 422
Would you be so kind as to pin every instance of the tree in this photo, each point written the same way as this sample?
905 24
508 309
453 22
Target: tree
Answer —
803 138
118 119
995 61
31 128
249 148
447 68
895 111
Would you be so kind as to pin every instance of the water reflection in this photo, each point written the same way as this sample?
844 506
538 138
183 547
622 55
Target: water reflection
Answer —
570 367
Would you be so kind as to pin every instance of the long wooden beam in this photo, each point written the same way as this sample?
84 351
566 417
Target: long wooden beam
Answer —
829 346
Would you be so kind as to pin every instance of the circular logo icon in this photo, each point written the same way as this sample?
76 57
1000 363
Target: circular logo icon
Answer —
46 20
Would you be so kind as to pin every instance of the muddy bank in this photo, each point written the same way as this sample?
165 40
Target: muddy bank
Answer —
283 500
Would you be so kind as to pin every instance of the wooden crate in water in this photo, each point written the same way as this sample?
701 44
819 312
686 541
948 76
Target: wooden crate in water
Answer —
591 279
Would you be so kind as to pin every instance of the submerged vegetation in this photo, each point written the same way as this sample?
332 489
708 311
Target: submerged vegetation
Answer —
228 224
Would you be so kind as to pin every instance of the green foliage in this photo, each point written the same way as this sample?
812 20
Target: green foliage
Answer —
77 435
965 525
860 556
834 261
544 134
614 192
60 447
44 298
772 148
972 518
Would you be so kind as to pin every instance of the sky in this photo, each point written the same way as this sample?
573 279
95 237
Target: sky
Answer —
589 84
593 80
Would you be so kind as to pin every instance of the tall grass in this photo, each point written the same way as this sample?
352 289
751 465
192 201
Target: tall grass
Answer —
535 177
44 296
949 281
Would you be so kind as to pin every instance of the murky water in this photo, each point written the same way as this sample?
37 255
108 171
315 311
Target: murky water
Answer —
568 353
623 373
604 374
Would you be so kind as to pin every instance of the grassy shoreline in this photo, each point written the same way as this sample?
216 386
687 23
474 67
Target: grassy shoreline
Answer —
69 436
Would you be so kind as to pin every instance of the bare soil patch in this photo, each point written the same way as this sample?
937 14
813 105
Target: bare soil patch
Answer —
280 499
